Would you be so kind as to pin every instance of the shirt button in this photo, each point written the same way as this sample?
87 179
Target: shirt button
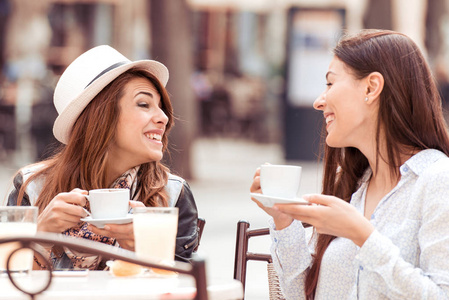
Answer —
405 169
361 268
275 240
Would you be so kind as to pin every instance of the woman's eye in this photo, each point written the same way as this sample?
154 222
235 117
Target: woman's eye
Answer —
328 84
143 104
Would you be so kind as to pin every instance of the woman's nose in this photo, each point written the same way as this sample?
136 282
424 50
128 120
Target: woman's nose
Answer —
320 102
161 117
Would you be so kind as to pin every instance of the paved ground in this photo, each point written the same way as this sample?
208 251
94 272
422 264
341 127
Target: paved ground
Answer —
223 170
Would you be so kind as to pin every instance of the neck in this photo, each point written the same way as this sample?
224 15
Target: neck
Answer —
381 164
114 171
383 180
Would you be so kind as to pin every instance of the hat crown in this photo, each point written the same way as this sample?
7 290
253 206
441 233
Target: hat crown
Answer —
86 76
82 71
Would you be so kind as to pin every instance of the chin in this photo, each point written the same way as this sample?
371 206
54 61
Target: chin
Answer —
334 144
156 157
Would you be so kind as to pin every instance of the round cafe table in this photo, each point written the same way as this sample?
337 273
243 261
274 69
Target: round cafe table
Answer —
103 285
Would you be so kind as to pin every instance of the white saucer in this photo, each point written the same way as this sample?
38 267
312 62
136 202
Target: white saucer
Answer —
99 223
269 201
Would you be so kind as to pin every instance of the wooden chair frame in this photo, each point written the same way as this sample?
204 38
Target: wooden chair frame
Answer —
242 256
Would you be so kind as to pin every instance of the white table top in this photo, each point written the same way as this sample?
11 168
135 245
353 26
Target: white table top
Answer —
102 284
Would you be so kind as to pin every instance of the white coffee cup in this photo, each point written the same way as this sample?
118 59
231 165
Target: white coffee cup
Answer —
108 203
280 180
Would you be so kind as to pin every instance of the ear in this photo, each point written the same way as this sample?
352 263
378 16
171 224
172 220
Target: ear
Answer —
375 85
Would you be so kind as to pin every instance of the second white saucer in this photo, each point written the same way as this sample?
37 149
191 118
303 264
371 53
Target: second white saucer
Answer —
269 201
101 222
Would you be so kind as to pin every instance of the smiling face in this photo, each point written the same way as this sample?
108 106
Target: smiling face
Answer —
350 121
141 126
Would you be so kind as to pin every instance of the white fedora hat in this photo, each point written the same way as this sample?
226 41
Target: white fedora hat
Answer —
85 77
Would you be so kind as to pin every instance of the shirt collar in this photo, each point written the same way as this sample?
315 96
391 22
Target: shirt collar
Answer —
421 161
417 164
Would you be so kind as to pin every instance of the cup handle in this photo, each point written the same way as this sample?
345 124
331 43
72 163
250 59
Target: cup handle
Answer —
87 212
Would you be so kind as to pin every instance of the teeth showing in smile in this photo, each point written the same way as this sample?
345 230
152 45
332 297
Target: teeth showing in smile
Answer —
154 136
329 118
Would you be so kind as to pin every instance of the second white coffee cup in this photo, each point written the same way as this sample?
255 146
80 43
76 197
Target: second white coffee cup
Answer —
280 180
108 203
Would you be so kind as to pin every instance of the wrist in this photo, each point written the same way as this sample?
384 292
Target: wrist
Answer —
42 228
282 223
363 234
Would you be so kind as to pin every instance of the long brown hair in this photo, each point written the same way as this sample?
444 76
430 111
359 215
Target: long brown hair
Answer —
82 162
410 115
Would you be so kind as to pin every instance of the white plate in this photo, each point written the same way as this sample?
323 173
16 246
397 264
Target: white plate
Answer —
269 201
101 222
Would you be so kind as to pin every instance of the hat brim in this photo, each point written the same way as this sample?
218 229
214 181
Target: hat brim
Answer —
66 119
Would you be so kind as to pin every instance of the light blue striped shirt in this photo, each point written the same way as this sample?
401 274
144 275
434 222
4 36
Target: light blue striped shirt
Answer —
406 257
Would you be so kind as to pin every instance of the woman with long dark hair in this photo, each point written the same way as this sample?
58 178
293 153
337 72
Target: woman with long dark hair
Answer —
114 119
380 224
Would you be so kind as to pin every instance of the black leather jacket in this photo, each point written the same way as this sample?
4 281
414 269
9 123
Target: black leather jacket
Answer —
179 194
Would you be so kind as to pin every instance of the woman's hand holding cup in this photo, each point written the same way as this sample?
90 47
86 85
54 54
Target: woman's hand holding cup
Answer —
63 212
281 220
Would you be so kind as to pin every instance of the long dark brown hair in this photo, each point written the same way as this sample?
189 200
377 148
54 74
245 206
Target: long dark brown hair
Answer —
410 115
82 162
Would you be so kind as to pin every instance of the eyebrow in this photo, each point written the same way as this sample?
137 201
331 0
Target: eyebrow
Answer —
328 73
144 93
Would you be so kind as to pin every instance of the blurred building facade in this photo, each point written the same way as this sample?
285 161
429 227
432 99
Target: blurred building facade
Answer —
230 81
244 63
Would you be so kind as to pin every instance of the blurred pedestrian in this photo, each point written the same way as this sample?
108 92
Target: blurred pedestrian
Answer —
43 115
380 224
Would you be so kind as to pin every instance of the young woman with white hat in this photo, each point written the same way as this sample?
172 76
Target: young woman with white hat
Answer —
114 118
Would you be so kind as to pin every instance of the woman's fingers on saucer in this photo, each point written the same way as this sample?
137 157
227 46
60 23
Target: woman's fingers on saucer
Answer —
257 202
114 230
297 211
269 210
319 199
123 233
134 203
